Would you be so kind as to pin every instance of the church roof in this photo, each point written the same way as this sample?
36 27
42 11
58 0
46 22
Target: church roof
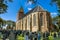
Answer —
36 9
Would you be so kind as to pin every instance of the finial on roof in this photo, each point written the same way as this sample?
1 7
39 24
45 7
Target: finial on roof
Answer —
21 9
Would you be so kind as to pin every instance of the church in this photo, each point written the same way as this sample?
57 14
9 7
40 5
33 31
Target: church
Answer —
34 20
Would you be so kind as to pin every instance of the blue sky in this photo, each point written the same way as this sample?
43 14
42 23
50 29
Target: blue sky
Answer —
14 7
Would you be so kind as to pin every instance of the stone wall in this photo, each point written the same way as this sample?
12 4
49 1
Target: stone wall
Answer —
26 23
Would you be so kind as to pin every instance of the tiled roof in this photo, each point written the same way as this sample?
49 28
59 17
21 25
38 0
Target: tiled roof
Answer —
35 9
38 8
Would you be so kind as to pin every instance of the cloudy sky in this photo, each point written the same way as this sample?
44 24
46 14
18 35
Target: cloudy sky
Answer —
14 7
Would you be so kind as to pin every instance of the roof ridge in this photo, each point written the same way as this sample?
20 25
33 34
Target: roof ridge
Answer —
37 8
42 7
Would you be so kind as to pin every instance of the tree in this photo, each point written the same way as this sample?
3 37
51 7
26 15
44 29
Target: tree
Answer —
10 24
4 6
1 21
3 9
56 22
58 4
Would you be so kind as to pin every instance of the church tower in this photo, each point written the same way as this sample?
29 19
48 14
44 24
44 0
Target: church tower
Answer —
20 13
19 16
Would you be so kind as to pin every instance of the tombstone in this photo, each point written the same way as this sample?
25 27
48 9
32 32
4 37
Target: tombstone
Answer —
12 36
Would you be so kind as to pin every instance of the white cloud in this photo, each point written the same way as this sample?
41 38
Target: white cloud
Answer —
29 8
53 14
30 2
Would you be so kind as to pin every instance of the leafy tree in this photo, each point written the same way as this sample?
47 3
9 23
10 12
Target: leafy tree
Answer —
4 6
1 21
10 24
56 22
58 4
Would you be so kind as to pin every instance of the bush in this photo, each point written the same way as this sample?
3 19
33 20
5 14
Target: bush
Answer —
20 37
50 38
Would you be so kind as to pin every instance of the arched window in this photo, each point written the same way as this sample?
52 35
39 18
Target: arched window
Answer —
29 21
26 24
41 19
48 20
34 20
22 24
